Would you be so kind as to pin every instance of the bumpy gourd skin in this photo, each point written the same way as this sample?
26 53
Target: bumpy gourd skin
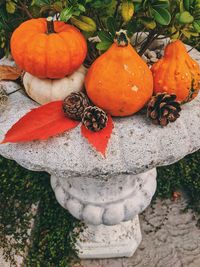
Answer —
45 55
119 81
177 73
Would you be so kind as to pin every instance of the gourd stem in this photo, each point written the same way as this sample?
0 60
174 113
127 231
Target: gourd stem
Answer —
121 38
50 25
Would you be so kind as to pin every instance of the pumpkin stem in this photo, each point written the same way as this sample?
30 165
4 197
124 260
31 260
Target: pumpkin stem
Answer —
50 25
121 38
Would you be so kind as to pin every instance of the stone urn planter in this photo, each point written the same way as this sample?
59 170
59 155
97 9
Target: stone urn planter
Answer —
107 194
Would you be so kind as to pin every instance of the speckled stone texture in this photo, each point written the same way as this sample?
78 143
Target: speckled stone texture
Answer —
108 200
102 241
135 148
170 239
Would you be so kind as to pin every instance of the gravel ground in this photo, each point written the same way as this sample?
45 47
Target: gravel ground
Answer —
170 238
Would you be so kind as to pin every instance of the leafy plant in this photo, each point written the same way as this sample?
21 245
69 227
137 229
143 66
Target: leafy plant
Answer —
53 237
175 19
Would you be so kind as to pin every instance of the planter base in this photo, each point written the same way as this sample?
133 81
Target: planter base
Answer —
104 241
107 200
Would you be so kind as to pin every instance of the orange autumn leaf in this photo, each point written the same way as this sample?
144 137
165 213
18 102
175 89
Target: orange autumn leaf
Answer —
9 73
99 140
40 124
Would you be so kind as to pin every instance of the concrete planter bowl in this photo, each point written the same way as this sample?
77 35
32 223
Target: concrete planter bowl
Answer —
107 194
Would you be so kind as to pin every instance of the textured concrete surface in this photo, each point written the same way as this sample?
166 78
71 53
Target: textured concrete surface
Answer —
121 240
107 200
170 238
4 263
135 146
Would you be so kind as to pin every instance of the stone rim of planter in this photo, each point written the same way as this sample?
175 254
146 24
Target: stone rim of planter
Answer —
135 146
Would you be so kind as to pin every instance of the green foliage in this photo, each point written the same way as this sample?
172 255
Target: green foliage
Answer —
53 237
175 19
184 175
74 8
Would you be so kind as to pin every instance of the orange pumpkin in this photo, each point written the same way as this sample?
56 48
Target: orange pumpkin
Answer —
119 81
48 49
177 73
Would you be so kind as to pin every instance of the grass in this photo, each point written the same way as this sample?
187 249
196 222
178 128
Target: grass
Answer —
52 238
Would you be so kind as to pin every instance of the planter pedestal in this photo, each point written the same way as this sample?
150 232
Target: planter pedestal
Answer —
106 193
103 241
110 207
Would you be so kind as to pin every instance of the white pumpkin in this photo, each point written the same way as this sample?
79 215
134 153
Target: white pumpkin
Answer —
47 90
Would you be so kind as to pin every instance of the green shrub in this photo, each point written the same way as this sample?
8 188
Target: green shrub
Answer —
176 19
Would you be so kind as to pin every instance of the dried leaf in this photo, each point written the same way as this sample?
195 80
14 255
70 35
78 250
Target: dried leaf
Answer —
40 123
9 72
99 140
176 196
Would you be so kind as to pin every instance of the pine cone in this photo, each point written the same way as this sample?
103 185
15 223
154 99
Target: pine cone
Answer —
94 119
75 104
163 109
3 97
92 54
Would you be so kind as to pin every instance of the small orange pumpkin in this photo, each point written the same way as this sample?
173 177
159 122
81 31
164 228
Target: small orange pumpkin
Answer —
48 49
119 81
177 73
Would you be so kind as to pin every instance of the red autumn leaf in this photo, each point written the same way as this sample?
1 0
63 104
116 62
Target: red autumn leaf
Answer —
40 123
100 139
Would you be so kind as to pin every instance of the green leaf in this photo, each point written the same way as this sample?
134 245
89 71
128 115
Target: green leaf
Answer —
161 4
148 23
103 46
105 36
189 34
81 8
145 3
161 15
197 5
100 3
186 4
185 17
196 25
111 25
196 14
66 14
76 13
132 27
10 7
181 7
40 2
137 7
